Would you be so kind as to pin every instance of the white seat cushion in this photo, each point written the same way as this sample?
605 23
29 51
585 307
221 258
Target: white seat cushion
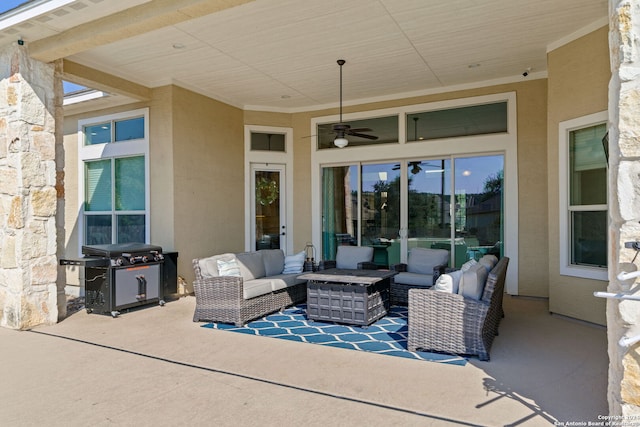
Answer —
256 287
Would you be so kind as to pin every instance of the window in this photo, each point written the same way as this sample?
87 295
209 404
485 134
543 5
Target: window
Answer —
583 197
114 190
267 141
384 128
456 122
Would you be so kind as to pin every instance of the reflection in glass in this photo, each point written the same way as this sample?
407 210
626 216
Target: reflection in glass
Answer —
429 197
97 134
380 210
98 185
589 232
267 142
130 183
457 122
131 228
267 203
339 208
98 229
130 129
479 198
385 128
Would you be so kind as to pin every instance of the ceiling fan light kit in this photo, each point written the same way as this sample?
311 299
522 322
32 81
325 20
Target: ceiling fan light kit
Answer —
340 142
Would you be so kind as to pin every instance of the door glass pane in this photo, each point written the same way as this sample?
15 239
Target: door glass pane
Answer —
589 242
429 222
98 185
130 228
97 229
267 202
478 207
339 208
380 210
130 183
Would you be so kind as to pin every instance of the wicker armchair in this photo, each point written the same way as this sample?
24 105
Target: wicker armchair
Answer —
451 323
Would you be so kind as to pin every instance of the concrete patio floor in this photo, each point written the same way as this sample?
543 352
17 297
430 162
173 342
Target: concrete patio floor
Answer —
154 366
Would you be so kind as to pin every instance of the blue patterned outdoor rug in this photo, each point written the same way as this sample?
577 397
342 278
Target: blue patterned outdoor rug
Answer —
387 336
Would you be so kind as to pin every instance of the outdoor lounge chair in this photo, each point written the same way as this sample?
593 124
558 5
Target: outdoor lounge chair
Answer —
452 323
352 258
421 271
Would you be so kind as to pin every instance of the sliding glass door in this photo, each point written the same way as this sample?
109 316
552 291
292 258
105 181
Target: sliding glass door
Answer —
428 204
453 203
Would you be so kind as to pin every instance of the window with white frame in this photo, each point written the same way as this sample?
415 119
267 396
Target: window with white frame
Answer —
583 197
114 184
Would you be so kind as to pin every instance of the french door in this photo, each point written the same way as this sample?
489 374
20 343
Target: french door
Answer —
268 207
453 203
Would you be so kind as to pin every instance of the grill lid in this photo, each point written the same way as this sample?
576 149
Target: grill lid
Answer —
116 250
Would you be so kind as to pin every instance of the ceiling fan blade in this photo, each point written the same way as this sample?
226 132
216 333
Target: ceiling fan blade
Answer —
362 135
361 130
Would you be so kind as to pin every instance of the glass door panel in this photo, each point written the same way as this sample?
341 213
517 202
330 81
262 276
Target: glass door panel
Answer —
479 198
339 208
428 202
269 220
380 210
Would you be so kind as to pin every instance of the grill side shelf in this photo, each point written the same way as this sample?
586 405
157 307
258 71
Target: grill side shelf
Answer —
88 262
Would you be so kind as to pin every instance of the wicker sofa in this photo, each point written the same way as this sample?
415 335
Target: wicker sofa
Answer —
454 323
261 284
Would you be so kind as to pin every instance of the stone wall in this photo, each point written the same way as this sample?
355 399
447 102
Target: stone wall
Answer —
28 198
623 317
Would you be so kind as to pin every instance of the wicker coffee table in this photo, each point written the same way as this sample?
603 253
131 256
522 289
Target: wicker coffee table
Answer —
355 297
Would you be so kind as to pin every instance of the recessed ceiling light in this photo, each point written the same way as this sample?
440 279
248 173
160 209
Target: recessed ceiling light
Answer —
178 46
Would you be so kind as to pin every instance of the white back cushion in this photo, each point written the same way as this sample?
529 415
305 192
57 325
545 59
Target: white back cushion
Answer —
449 282
209 266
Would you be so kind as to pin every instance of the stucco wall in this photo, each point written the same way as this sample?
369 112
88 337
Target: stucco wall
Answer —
579 74
208 173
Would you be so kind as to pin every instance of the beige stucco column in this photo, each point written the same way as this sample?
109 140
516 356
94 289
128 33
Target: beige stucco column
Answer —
623 316
31 290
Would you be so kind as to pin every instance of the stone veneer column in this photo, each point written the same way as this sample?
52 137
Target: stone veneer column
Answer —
623 317
29 200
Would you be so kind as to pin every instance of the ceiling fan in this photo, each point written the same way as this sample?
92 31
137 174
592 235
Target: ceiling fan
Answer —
415 167
342 129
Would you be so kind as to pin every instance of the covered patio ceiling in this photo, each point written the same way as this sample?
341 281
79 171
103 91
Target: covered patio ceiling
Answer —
280 55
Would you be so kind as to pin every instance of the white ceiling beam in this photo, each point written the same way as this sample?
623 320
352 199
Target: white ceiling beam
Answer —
125 24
